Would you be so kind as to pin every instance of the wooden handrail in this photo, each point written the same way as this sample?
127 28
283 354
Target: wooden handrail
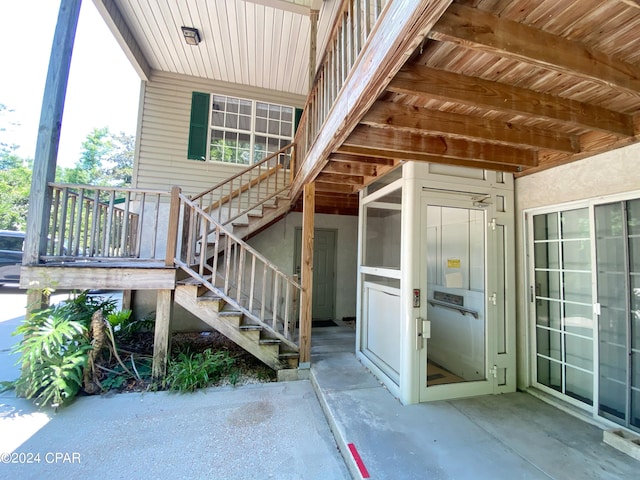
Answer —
236 272
237 192
351 31
245 170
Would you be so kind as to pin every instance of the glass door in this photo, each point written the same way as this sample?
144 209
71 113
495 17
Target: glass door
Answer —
618 264
562 298
454 359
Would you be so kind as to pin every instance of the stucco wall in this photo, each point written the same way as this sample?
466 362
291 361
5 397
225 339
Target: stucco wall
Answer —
277 244
611 173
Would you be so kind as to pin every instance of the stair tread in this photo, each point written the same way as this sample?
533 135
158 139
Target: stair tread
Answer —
270 341
230 313
251 327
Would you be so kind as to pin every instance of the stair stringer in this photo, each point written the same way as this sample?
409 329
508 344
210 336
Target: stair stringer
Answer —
228 323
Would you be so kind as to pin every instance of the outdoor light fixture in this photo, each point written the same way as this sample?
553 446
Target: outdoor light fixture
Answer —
191 35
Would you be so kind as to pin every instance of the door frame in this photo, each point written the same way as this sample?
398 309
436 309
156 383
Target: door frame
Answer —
486 386
297 261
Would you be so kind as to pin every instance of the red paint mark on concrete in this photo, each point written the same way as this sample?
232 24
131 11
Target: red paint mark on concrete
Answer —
358 460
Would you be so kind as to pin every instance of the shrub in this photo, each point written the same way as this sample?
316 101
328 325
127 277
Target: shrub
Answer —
53 356
191 371
55 349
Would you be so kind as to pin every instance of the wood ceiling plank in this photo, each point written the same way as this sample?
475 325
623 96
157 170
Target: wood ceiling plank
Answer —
432 83
483 31
426 157
402 142
395 115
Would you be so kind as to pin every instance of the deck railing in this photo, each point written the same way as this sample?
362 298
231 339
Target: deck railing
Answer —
354 25
216 258
105 222
249 188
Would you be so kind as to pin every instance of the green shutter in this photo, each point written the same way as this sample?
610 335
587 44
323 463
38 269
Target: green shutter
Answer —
198 126
296 119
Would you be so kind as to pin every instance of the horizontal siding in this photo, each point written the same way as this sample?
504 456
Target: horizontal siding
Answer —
164 131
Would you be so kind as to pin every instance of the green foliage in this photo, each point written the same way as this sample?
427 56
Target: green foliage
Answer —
191 371
55 349
53 355
15 185
117 378
124 326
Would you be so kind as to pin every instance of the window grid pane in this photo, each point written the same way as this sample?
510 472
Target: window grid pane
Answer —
563 295
246 131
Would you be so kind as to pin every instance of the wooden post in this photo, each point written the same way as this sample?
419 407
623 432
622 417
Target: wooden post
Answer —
172 233
127 299
306 310
36 300
313 42
44 164
162 334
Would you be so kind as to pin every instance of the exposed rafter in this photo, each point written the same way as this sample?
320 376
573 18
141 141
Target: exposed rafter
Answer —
480 30
416 119
431 83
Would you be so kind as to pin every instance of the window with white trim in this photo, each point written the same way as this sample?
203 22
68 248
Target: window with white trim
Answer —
246 131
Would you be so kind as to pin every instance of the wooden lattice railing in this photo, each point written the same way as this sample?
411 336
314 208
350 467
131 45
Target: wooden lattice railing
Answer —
104 222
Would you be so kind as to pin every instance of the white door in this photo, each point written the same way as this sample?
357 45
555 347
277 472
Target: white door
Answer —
457 321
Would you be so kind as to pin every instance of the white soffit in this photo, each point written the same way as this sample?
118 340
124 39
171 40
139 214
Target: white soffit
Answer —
242 42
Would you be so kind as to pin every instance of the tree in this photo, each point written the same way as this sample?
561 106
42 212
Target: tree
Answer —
5 148
15 184
106 160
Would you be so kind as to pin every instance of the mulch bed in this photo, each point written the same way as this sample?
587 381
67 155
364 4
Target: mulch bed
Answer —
140 345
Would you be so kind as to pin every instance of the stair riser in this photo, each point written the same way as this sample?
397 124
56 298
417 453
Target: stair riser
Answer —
229 327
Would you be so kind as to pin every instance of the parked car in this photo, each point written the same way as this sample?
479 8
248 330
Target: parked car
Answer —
11 248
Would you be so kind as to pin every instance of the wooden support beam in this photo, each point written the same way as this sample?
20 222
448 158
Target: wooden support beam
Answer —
480 30
401 142
354 168
452 87
173 227
417 119
426 157
44 163
335 187
344 157
306 305
355 180
101 276
162 332
37 299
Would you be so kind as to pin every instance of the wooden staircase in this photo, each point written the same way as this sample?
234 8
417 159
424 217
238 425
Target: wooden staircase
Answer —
255 338
229 285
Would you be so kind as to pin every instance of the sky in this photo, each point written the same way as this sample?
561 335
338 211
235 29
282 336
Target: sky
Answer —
103 88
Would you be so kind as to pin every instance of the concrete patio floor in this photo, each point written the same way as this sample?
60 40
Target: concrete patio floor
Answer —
279 431
511 436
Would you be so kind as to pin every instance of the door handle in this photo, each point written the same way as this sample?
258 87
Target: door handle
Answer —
423 332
